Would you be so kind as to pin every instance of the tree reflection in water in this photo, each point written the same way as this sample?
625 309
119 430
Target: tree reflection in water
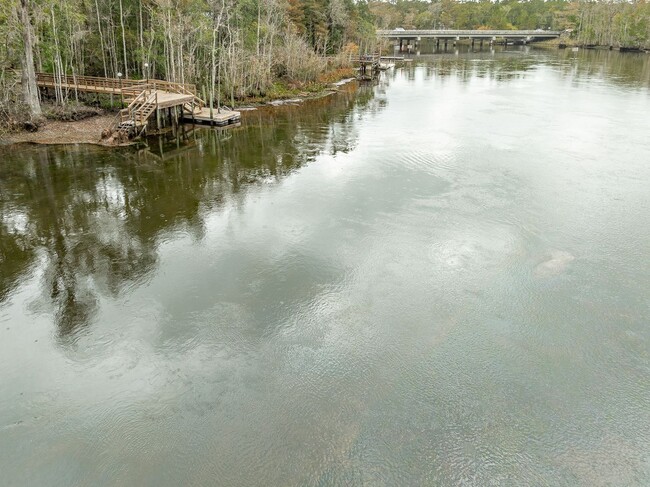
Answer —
88 221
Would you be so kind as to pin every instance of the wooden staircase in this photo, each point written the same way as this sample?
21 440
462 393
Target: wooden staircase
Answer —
133 119
145 98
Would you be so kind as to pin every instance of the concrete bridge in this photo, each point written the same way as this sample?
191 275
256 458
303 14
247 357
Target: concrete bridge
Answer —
413 37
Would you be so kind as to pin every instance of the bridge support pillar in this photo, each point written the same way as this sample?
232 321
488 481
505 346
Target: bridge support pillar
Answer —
437 43
400 44
472 43
481 44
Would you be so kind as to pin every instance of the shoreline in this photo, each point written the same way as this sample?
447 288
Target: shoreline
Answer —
567 43
88 130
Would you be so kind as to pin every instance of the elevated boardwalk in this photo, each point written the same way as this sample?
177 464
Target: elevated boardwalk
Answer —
116 86
145 99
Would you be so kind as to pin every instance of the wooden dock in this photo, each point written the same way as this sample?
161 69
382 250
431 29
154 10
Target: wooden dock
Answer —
147 101
219 118
368 66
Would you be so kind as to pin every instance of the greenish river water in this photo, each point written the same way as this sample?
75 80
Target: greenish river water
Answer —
442 279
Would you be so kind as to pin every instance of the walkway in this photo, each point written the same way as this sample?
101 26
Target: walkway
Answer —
144 97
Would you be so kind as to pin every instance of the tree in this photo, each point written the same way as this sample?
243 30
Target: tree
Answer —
30 89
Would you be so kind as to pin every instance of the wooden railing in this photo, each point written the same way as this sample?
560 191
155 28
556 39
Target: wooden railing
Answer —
128 112
134 112
183 90
108 85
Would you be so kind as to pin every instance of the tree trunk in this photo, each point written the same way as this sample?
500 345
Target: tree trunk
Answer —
30 90
101 39
126 66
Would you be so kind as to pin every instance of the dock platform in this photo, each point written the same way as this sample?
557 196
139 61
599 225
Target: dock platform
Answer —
219 117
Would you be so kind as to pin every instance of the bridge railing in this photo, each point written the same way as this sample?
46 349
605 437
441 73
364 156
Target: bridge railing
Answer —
465 32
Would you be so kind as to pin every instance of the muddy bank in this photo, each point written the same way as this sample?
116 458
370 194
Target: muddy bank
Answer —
87 131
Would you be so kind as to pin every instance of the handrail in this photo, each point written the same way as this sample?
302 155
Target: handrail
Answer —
180 89
465 32
120 83
131 112
135 100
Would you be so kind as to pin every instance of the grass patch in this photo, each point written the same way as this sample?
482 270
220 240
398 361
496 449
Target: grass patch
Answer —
286 89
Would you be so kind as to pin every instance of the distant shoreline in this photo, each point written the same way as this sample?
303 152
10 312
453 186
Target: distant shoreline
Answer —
563 42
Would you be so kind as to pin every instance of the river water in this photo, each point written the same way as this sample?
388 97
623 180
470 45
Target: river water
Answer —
439 279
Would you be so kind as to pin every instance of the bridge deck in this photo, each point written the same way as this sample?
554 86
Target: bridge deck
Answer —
478 34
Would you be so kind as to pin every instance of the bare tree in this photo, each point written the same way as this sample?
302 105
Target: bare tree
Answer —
30 90
126 66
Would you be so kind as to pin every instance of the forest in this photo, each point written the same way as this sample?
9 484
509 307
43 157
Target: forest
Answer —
244 49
